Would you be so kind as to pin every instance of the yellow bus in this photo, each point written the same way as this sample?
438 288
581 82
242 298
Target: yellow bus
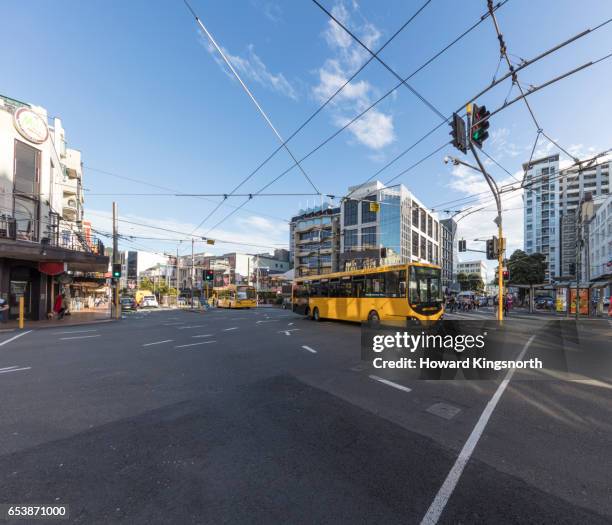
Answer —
400 292
235 296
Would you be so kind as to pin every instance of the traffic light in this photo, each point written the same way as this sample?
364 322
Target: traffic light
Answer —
383 253
506 274
116 270
480 124
209 275
492 248
458 133
462 246
210 241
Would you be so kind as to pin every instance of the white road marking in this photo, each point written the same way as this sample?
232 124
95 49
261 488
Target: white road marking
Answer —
8 367
192 326
75 331
232 328
15 337
446 490
15 370
311 350
390 383
159 342
173 324
288 332
79 337
289 324
194 344
203 335
266 321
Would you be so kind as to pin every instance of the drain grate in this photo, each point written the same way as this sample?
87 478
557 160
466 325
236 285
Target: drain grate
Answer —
443 410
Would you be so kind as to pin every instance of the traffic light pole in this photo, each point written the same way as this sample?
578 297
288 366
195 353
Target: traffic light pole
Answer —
498 221
115 261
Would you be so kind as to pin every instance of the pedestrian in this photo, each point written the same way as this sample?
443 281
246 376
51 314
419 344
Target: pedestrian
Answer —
58 306
4 308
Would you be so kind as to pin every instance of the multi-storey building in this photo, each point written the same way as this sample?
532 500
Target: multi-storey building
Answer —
477 267
551 199
314 240
41 210
386 225
541 212
134 263
448 252
575 186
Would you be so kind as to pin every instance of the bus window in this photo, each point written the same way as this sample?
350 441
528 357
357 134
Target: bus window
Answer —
424 285
374 285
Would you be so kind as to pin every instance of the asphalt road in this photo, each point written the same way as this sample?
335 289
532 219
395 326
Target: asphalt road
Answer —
260 416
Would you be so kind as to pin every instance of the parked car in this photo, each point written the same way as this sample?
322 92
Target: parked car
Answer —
149 301
128 303
544 302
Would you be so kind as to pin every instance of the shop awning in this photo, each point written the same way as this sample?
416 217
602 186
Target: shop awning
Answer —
52 268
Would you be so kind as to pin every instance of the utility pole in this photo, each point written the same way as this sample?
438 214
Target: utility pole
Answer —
192 270
116 260
498 221
578 249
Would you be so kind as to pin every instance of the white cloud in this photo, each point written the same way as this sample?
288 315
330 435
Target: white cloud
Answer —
252 67
375 129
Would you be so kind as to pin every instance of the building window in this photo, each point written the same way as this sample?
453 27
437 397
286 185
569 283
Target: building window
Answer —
429 226
429 251
366 214
350 239
350 212
368 237
423 221
415 215
423 248
26 206
415 244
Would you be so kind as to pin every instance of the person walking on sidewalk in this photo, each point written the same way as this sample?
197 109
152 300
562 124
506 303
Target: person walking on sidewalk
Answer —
58 307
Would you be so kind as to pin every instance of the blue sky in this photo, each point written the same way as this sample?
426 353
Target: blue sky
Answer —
142 95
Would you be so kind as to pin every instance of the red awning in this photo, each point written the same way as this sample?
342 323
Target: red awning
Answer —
51 268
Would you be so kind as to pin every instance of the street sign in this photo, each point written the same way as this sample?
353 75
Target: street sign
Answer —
374 207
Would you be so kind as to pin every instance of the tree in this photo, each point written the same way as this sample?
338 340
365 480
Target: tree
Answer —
475 282
462 279
526 269
146 284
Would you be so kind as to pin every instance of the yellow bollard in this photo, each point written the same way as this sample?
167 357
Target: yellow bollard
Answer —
21 312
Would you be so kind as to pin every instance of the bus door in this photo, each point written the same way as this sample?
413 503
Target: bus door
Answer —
356 306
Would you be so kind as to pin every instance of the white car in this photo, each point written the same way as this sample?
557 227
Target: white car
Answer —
149 301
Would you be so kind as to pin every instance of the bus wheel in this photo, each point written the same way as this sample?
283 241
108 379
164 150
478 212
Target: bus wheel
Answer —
374 318
315 314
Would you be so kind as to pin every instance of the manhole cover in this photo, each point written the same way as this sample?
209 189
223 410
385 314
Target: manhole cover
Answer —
444 410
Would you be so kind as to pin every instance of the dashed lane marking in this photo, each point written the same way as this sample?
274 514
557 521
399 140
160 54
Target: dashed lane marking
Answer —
266 321
446 490
189 327
79 337
311 350
13 369
232 328
390 383
75 332
203 335
159 342
15 337
194 344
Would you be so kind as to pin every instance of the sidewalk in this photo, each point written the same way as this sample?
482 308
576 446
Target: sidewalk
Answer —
75 319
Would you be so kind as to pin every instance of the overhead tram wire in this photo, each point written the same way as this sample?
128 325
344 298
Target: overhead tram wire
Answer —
319 109
252 97
166 188
382 62
383 97
496 82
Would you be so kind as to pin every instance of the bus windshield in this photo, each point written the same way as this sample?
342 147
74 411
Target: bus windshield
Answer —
244 293
424 287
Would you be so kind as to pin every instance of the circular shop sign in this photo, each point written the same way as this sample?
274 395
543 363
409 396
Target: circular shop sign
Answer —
31 126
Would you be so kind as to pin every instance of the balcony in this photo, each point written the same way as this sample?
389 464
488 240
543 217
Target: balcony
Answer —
24 239
70 210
